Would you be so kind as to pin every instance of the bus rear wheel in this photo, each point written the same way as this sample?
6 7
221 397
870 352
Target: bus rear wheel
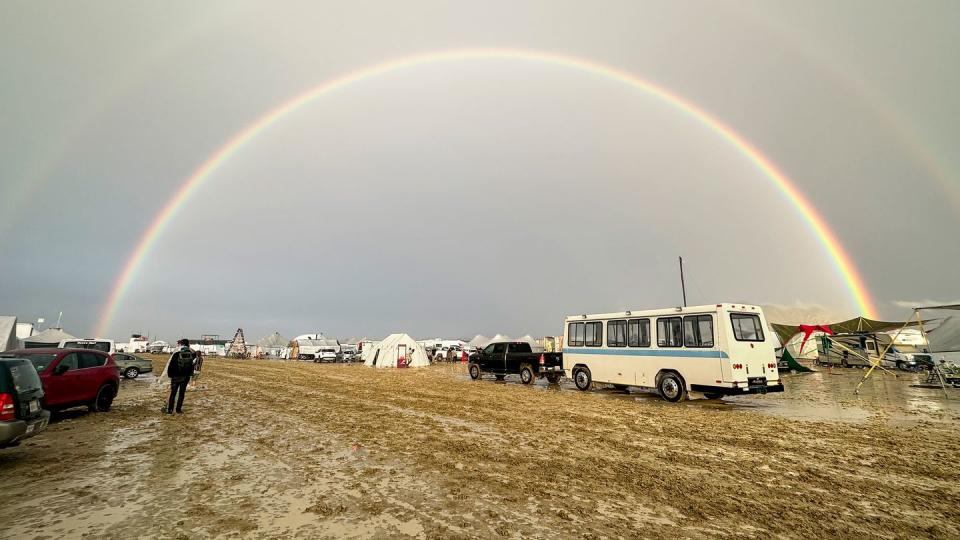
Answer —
671 387
582 378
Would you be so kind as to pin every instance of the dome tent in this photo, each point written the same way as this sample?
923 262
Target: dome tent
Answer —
273 345
393 347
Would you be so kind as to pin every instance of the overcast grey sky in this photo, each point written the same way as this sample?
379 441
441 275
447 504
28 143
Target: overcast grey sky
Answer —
470 197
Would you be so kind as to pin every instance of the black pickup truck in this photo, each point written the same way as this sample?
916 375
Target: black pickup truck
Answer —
510 357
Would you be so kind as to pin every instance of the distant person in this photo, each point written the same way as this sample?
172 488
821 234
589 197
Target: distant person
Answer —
180 369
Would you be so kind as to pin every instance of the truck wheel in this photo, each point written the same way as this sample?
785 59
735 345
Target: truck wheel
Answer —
621 387
526 374
711 395
671 387
474 372
582 378
500 377
131 372
553 378
104 399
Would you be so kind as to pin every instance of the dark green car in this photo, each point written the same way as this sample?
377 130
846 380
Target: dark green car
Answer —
131 366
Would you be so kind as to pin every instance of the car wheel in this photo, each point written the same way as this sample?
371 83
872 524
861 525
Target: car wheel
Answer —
671 387
553 378
526 375
902 366
104 399
131 372
500 377
474 372
582 378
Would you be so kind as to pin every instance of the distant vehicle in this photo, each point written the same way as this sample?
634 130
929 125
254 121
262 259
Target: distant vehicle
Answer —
104 345
157 347
444 353
326 355
863 350
131 366
715 350
516 357
21 393
74 377
137 344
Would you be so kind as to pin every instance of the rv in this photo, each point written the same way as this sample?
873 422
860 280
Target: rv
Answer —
709 351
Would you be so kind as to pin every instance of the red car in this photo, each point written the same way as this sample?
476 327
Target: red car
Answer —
74 377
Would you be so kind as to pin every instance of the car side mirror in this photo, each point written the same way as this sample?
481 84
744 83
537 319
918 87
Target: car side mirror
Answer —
60 369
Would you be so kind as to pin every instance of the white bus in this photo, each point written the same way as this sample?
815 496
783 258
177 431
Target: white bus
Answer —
709 351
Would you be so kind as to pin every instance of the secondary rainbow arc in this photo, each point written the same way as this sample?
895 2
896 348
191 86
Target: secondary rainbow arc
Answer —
818 226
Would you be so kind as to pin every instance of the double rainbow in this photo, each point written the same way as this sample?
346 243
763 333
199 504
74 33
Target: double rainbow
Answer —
817 225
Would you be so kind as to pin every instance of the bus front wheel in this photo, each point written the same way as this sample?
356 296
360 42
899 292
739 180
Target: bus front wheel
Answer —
671 387
582 378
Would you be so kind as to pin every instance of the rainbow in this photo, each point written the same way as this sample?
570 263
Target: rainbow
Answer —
817 225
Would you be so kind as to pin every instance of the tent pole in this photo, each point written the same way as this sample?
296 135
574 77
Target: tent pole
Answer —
923 334
874 365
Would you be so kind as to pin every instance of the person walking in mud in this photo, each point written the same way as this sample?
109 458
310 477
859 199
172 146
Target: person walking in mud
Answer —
180 369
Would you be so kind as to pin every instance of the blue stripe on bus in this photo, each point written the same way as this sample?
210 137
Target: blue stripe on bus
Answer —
682 353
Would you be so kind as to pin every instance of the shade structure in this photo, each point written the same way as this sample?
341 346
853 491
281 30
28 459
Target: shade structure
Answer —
394 349
50 337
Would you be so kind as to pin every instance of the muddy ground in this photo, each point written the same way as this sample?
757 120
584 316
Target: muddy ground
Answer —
273 449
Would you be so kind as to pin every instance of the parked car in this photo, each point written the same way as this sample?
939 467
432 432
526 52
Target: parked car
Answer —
516 357
131 365
444 353
74 377
21 391
326 355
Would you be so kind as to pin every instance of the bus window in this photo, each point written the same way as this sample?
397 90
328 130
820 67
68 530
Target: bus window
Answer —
746 327
698 331
593 336
669 332
638 333
575 335
616 333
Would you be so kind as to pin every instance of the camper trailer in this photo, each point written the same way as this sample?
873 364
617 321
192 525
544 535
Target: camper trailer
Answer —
863 349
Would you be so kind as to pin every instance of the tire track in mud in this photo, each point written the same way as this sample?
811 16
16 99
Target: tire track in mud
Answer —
690 460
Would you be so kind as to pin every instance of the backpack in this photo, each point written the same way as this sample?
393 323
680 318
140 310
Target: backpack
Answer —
182 364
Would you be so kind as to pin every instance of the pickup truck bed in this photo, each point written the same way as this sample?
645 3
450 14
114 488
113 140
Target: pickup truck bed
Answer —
516 357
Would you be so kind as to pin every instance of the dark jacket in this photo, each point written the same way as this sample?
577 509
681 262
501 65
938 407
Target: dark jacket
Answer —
182 363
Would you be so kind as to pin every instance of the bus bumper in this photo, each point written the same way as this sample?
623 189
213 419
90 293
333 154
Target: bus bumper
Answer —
743 390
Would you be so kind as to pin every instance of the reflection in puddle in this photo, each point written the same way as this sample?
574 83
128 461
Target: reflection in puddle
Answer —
825 395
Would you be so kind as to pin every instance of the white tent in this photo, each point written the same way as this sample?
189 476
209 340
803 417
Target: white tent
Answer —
51 337
393 347
479 340
8 333
501 337
273 345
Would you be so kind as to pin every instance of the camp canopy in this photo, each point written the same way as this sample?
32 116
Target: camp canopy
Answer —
51 337
850 326
393 347
8 333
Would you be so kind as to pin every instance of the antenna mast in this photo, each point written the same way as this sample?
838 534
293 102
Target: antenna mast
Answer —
683 286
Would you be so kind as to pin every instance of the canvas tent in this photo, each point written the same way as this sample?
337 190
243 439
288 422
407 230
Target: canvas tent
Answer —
394 347
8 333
51 337
500 337
273 345
479 341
